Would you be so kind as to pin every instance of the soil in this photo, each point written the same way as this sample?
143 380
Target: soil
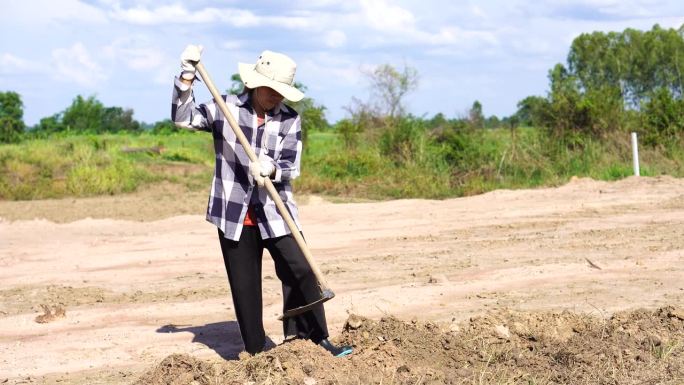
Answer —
500 347
579 284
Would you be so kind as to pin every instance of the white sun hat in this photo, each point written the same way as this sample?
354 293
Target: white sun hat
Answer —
273 70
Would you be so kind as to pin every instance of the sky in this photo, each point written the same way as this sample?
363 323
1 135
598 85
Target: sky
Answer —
126 53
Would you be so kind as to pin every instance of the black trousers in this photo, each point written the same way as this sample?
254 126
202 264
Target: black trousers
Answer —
300 287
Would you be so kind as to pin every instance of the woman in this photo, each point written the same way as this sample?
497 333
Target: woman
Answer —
246 217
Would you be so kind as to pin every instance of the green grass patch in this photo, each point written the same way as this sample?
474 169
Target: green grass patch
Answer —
407 161
85 165
470 162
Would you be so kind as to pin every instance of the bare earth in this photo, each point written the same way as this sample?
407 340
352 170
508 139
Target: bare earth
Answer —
142 282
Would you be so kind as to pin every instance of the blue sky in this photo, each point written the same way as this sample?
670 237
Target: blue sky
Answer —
126 52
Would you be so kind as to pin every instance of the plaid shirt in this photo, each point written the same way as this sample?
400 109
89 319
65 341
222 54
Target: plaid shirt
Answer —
233 187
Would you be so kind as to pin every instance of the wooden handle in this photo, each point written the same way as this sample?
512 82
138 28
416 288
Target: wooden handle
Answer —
272 192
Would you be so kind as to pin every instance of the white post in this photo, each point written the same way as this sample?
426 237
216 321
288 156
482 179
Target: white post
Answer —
635 154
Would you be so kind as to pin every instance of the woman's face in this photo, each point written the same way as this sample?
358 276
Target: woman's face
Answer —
267 98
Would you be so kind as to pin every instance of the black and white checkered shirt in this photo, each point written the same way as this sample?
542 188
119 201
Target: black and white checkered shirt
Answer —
233 187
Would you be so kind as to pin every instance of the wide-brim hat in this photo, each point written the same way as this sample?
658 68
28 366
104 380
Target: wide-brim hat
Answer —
273 70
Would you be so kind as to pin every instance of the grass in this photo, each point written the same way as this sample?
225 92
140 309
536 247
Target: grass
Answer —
84 165
490 160
410 164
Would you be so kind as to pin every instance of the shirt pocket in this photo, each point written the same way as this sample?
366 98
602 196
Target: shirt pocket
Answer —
272 141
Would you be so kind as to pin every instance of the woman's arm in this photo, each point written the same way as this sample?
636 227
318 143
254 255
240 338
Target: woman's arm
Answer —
185 113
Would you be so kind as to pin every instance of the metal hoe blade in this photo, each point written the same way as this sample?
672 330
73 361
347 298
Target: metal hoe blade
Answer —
326 295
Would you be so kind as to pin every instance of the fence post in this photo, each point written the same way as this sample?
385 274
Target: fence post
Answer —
635 154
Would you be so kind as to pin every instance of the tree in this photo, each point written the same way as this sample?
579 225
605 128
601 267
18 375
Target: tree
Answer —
663 117
89 115
49 125
475 115
492 122
11 117
349 132
633 62
84 115
614 81
236 86
437 122
165 126
533 111
118 119
390 86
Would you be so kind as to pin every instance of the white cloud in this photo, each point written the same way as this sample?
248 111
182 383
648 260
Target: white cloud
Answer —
233 45
457 36
75 64
37 12
178 14
13 65
335 38
398 26
386 17
478 12
601 9
326 69
138 54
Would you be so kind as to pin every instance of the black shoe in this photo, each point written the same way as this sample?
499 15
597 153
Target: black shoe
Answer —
337 351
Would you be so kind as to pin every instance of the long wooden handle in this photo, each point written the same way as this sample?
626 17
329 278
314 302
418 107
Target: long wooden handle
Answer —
267 182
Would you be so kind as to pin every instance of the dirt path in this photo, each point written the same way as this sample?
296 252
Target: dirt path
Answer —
136 291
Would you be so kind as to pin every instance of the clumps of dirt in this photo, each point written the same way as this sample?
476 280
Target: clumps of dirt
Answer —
24 299
638 346
50 313
180 369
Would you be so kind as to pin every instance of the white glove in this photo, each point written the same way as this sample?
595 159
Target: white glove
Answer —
189 59
264 167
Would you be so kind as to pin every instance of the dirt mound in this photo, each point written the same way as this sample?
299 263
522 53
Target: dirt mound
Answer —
500 347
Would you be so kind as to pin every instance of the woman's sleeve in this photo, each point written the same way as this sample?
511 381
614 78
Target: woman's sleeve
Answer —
287 165
185 113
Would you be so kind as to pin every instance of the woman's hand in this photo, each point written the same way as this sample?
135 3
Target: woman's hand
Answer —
189 58
263 168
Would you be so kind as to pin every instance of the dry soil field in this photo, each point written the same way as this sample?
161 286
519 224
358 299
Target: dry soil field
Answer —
583 283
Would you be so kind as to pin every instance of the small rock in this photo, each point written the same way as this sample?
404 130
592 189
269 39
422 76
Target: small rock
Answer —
502 332
438 278
277 364
464 373
677 313
454 327
403 369
310 381
308 367
654 340
51 313
354 322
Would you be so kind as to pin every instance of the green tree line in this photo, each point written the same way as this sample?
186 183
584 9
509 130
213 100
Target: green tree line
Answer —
617 81
90 116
